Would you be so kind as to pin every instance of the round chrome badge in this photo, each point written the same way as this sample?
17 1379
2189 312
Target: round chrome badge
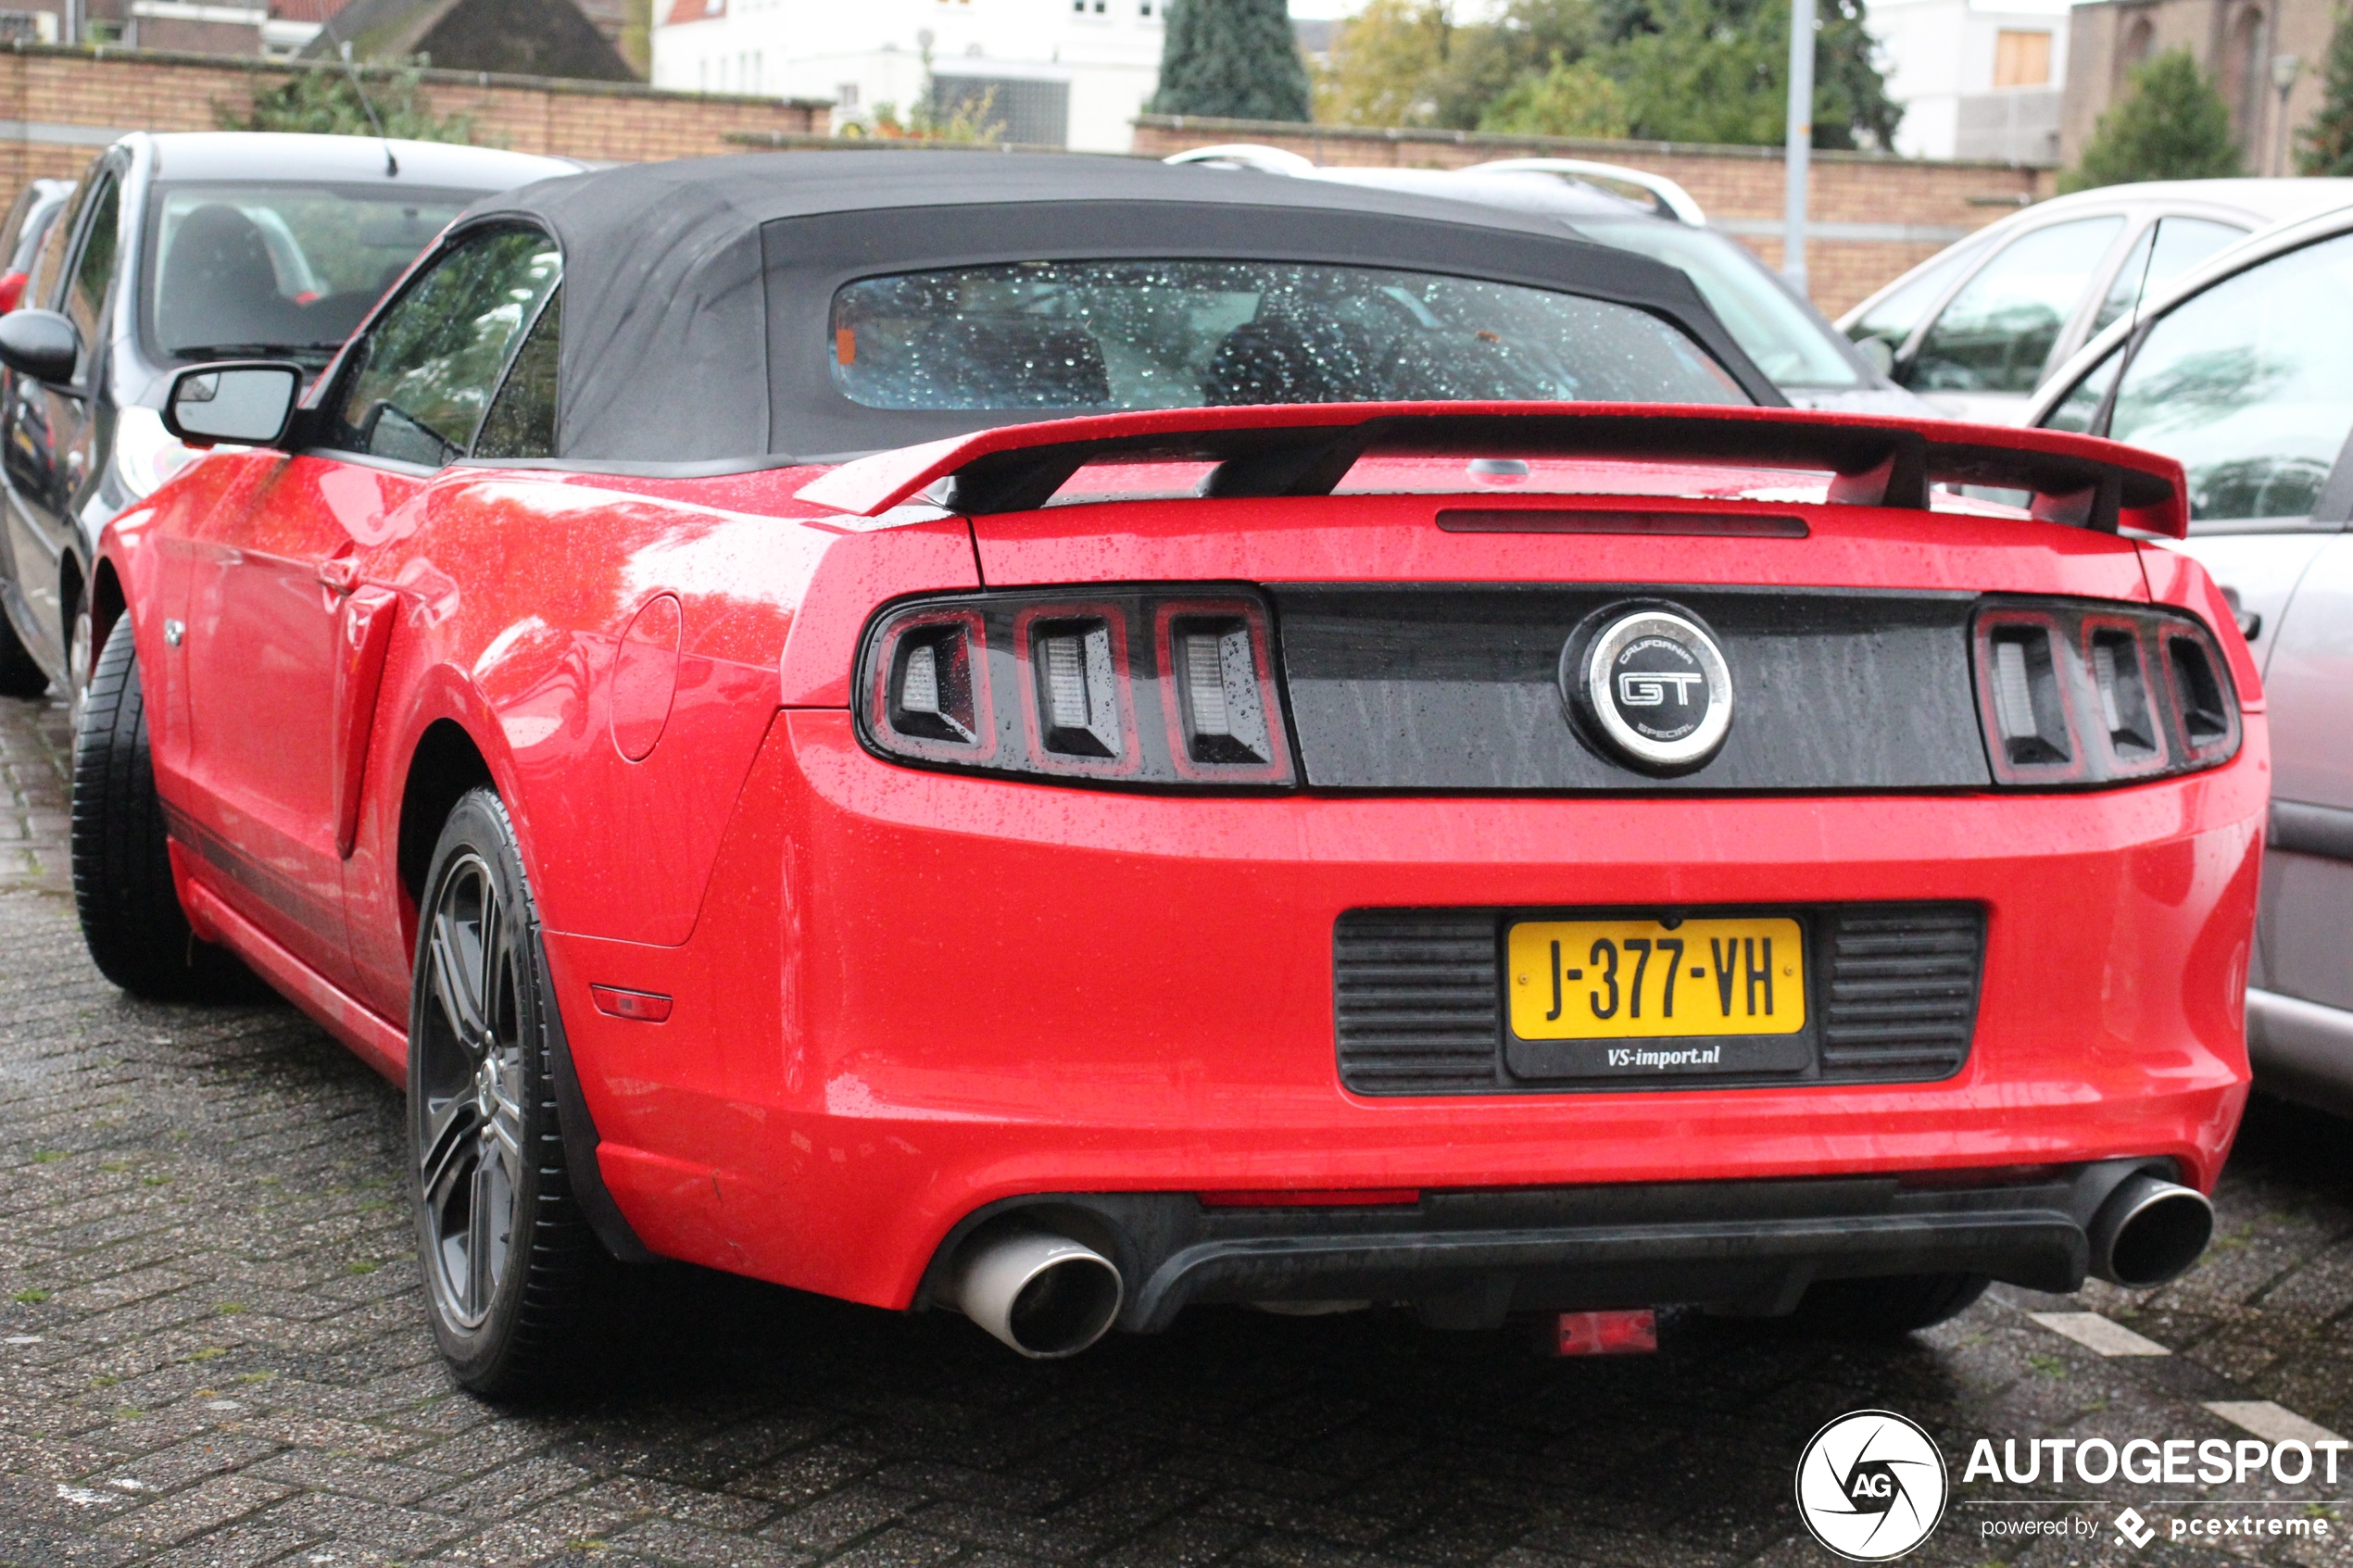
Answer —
1657 688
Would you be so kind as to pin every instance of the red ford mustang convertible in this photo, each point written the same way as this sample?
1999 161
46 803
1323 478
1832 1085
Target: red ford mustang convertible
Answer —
1064 739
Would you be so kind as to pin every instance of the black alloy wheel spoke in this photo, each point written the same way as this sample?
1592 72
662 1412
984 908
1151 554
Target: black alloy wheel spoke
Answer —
450 1130
470 1135
455 982
480 1222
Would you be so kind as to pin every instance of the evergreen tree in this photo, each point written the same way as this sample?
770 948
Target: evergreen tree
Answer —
1718 70
1233 58
2170 124
2328 141
325 100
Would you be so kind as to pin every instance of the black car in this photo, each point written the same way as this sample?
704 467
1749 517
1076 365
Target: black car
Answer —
177 248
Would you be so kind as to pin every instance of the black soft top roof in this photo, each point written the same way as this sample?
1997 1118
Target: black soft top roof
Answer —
696 293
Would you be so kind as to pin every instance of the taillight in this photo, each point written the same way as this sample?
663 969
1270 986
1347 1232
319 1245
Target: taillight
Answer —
2078 693
11 290
1162 687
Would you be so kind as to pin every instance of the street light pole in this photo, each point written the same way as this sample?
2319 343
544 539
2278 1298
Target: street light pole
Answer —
1801 140
2283 69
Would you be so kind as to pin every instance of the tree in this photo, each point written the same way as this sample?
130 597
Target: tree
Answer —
2328 141
1567 100
325 100
2170 124
1237 59
1386 62
1718 70
1408 62
1678 70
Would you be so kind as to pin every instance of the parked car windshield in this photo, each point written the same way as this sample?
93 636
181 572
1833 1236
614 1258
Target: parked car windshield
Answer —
1173 334
1788 344
234 269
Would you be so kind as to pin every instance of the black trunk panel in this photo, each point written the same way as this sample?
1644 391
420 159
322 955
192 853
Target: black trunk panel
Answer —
1458 689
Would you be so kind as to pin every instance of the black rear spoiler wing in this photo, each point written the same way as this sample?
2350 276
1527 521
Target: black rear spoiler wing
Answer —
1306 449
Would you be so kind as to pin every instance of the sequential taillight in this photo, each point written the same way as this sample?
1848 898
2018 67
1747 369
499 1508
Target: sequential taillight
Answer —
2071 693
1159 688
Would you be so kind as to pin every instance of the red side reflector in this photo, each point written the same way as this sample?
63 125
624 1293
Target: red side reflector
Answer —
1606 1334
642 1006
1311 1197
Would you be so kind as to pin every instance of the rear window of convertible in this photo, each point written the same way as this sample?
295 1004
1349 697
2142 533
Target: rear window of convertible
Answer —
1174 335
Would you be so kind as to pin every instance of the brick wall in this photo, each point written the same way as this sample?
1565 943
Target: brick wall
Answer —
1872 215
59 106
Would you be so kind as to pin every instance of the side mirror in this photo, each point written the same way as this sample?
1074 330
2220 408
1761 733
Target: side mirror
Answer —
40 343
248 405
1876 350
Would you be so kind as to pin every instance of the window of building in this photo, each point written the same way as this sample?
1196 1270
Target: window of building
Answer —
2022 58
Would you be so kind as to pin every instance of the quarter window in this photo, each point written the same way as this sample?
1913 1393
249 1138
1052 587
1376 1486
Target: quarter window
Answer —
1997 333
2247 383
423 376
521 421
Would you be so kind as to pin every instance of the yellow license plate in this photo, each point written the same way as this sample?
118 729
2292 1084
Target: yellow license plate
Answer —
1639 979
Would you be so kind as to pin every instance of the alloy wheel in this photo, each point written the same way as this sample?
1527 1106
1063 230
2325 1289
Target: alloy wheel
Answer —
469 1137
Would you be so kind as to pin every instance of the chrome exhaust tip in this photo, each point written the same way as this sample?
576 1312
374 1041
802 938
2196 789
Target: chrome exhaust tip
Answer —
2149 1231
1043 1294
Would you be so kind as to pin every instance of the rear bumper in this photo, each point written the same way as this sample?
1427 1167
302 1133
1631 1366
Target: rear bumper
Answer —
1742 1247
912 996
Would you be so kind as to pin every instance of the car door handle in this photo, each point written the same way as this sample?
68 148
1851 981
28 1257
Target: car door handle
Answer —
340 575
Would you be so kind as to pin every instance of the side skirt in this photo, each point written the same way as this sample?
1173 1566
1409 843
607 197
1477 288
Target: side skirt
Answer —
376 1041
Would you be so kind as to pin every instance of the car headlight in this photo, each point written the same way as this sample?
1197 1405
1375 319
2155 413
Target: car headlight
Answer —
1171 687
145 453
2075 692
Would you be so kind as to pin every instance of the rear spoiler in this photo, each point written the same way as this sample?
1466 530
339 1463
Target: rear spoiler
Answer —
1306 449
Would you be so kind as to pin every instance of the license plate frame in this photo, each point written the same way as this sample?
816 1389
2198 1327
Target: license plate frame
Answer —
1627 1059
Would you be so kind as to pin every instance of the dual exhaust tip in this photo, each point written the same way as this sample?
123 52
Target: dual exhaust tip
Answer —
1041 1293
2148 1231
1048 1296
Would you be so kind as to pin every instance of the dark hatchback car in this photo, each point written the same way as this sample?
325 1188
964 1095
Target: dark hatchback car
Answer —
177 248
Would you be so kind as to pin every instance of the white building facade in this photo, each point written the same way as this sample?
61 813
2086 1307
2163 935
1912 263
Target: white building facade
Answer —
1978 79
1057 73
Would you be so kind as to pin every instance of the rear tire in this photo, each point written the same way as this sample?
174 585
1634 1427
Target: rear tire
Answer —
507 1255
20 676
132 921
1887 1307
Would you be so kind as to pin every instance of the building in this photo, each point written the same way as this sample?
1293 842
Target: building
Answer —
511 37
2266 56
1978 79
569 38
1050 73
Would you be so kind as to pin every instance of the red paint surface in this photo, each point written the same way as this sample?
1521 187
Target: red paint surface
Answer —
896 995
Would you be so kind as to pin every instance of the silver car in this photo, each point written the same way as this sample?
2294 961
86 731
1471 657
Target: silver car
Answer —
2241 371
1977 328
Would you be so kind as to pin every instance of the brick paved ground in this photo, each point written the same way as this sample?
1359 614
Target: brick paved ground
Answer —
211 1353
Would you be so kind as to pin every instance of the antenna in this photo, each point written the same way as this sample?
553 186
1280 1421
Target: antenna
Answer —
342 47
